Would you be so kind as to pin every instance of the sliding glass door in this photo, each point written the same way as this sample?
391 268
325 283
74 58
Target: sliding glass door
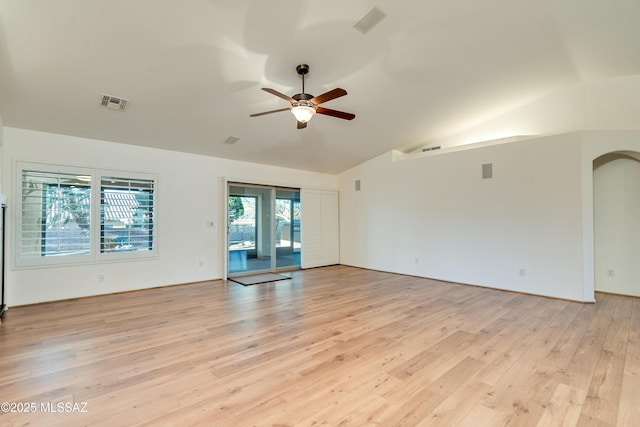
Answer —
263 229
288 245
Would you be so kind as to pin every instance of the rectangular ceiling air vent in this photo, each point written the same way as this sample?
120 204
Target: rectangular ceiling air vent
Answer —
370 20
231 140
437 147
114 103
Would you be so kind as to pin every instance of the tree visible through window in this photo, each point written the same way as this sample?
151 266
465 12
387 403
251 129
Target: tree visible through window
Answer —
62 219
236 208
56 214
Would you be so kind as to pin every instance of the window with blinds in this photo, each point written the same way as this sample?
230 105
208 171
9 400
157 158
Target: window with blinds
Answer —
56 214
126 214
73 215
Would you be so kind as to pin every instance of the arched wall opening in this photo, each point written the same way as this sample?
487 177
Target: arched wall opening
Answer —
616 214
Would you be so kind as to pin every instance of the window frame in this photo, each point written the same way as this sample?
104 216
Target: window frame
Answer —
95 254
126 255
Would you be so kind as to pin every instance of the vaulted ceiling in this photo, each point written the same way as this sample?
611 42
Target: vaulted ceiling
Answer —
431 72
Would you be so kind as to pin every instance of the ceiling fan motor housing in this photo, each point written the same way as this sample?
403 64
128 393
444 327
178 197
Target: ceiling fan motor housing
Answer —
302 69
302 97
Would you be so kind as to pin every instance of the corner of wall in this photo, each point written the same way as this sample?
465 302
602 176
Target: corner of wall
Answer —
595 143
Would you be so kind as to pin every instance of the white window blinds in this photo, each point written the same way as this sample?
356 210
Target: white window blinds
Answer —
55 214
73 215
127 210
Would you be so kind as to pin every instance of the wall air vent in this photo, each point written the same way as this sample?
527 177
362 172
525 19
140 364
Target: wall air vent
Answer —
114 103
370 20
436 147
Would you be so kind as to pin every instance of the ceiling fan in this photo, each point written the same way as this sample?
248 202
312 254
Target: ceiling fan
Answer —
304 105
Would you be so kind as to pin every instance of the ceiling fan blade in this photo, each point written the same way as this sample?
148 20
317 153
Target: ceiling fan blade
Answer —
335 113
268 112
302 125
328 96
278 94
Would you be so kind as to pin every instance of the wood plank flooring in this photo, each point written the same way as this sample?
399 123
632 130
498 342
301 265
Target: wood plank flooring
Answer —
333 346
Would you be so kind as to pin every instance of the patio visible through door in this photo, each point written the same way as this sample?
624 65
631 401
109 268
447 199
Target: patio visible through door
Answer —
263 229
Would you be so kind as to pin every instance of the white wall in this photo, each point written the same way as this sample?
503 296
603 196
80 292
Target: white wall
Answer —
594 145
1 145
434 216
535 214
616 182
189 193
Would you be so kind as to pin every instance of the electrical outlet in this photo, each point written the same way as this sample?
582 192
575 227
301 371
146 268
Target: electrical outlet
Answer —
416 260
523 272
611 272
200 262
100 278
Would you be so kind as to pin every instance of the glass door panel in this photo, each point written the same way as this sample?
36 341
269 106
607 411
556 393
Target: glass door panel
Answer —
287 238
250 229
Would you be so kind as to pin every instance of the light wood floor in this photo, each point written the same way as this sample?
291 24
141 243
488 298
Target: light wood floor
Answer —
334 346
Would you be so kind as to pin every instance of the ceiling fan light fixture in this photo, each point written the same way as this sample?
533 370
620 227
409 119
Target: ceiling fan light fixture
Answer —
304 106
303 113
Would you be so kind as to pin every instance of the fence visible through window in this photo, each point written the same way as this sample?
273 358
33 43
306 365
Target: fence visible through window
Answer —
126 215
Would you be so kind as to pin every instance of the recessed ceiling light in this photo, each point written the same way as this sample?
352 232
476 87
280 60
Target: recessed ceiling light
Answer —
370 20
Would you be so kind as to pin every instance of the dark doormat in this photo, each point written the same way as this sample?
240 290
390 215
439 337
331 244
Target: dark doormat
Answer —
258 278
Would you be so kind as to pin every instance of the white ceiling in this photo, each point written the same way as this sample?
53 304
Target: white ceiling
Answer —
193 69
